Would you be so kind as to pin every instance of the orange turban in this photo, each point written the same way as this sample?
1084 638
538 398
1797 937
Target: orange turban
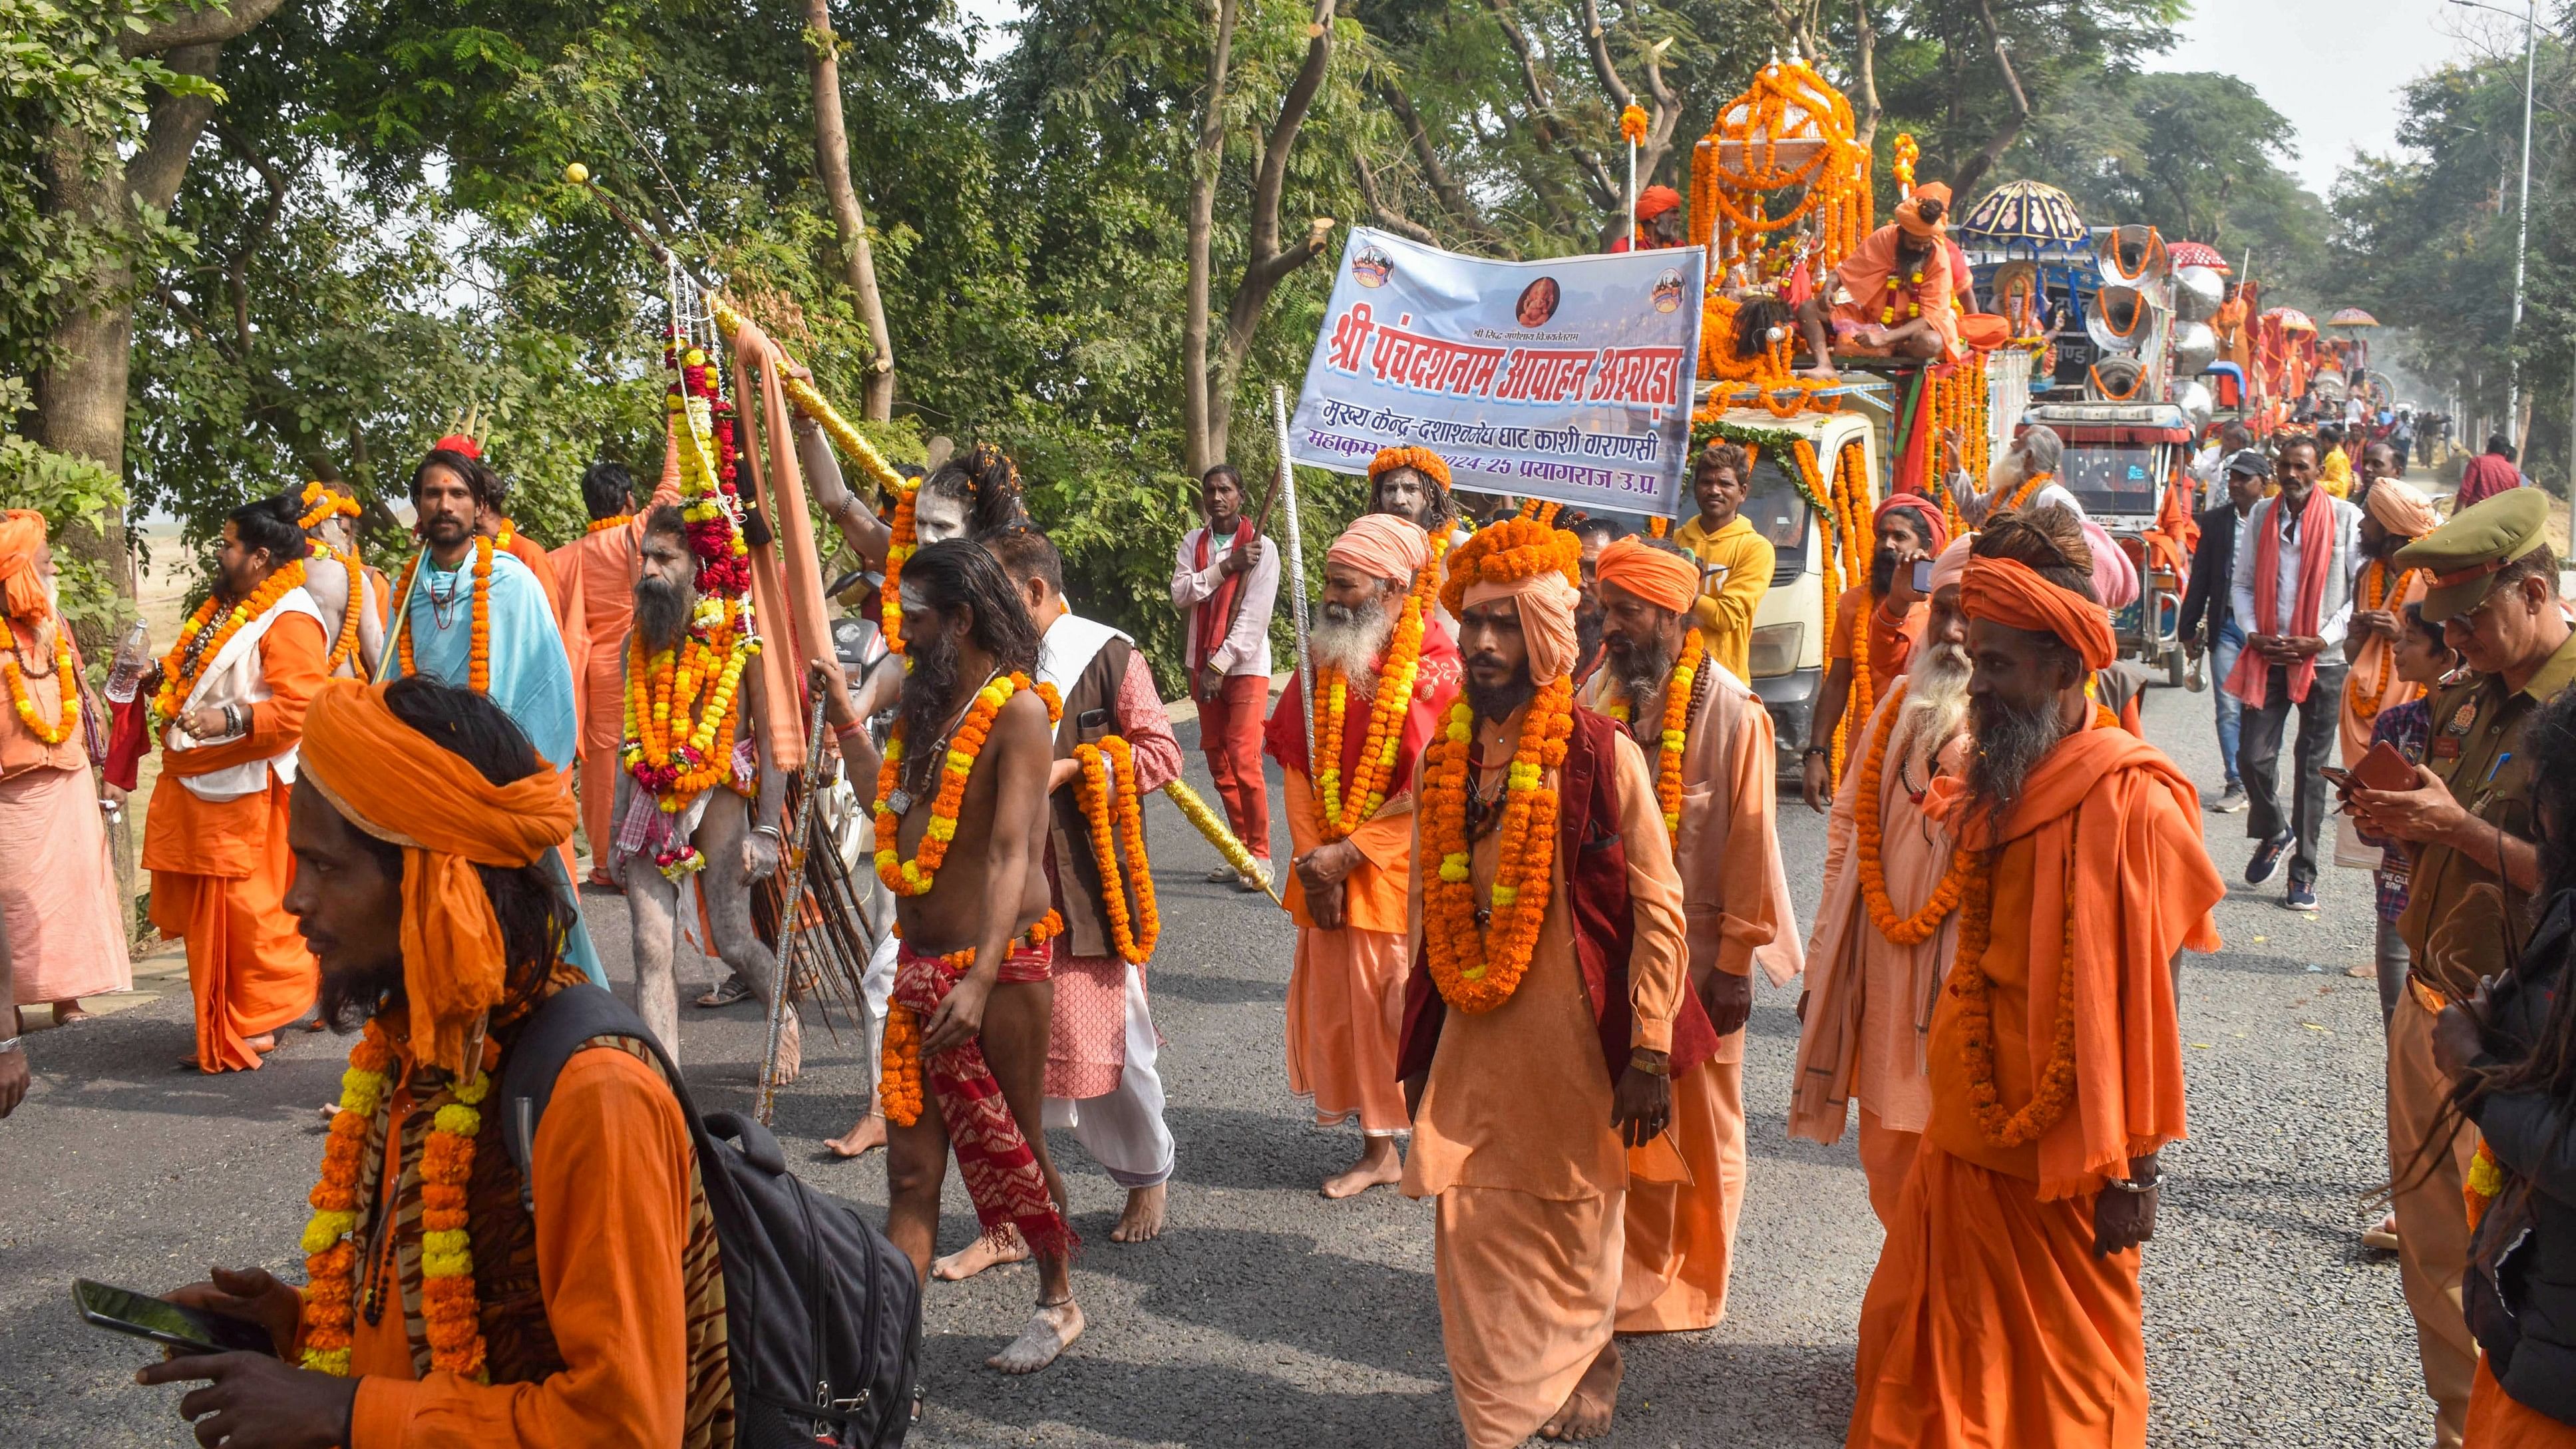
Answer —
1422 460
2008 592
1654 201
1909 212
1523 559
2400 507
1663 579
1382 546
1927 518
22 532
406 789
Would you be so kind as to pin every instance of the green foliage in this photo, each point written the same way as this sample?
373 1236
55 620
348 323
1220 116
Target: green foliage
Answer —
70 492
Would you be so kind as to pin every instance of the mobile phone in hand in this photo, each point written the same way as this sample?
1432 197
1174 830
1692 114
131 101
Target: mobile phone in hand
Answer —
189 1330
1923 577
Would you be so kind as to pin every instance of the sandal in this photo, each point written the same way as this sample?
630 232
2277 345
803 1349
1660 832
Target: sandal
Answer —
727 992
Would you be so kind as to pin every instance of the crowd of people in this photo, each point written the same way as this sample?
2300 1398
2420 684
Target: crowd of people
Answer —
1530 806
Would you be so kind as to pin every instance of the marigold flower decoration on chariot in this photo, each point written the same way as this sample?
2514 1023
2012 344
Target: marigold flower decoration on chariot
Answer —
684 704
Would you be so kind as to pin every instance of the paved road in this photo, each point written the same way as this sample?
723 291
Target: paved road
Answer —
1266 1315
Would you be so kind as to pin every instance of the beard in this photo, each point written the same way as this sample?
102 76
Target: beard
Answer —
1640 667
1352 640
1498 702
928 688
444 530
1882 574
661 612
1936 702
1589 630
350 997
2011 740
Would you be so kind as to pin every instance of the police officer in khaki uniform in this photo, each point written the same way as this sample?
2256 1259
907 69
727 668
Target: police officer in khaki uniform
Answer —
2468 822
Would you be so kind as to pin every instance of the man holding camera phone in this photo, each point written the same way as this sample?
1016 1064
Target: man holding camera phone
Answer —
1889 604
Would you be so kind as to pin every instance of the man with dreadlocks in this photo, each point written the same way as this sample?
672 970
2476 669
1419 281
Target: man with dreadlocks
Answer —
599 571
2005 1308
1713 748
1550 933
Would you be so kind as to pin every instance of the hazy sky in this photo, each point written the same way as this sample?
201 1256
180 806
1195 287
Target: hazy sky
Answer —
2334 67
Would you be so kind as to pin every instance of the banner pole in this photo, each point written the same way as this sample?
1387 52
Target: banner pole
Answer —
1296 569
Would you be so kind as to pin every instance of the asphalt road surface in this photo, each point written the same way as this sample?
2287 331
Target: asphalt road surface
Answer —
1266 1315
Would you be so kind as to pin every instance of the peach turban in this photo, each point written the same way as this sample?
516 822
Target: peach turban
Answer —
1952 566
1422 460
1382 546
2115 576
1526 560
1909 212
1927 517
1664 579
2400 507
1654 201
2009 592
406 789
22 532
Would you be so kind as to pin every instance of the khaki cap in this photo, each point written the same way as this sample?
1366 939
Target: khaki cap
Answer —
2465 554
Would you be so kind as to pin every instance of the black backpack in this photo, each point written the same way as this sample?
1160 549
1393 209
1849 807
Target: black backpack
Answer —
822 1314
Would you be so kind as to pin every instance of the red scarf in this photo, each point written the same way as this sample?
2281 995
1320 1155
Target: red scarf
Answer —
2251 680
1215 617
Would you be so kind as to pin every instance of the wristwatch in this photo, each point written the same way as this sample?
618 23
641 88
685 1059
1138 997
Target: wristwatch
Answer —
1811 751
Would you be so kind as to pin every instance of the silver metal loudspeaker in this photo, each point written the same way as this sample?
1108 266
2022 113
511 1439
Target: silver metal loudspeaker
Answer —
2195 347
2198 293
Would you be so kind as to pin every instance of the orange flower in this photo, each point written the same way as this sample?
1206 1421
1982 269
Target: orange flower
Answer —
916 876
899 547
1346 810
1915 929
2361 691
66 677
1681 695
478 665
899 1084
1478 967
2053 1088
183 665
1124 811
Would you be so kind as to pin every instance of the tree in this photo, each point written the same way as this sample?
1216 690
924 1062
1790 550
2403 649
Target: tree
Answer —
832 164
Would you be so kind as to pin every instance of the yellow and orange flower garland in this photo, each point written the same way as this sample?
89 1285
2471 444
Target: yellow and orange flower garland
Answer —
1347 810
1854 541
478 660
321 501
916 876
1678 691
181 667
902 543
452 1320
2029 489
1917 928
2053 1085
899 1093
1477 968
2483 1185
67 717
1110 801
602 525
1833 183
2362 692
1959 402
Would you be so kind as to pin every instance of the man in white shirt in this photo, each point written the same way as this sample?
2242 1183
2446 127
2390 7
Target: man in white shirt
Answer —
2294 623
1225 580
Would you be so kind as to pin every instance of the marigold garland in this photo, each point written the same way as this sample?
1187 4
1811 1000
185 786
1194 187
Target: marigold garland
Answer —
1506 553
602 525
2053 1086
1917 928
1479 954
66 678
183 666
1110 801
321 501
900 547
2029 488
478 659
1346 811
451 1317
1833 184
2483 1185
899 1089
346 643
916 876
2362 692
1680 694
684 706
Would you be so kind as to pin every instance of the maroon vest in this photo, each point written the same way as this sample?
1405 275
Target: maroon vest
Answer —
1595 858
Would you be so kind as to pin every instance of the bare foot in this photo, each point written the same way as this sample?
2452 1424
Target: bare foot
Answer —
861 1140
791 1052
989 1251
263 1044
1586 1413
1821 372
1052 1329
67 1012
1378 1166
1143 1220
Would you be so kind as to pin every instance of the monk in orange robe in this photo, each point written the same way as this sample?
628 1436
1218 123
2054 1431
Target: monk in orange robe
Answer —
616 1335
1869 993
2394 513
1876 622
215 837
1716 797
1346 890
2005 1309
1893 296
1575 976
597 573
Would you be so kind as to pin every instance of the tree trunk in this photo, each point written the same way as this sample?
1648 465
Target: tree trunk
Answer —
1203 440
1865 72
832 165
1964 184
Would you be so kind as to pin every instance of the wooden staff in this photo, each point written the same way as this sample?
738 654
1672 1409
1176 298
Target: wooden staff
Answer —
791 862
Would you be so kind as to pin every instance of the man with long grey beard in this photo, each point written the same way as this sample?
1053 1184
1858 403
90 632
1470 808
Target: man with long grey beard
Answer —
734 837
2008 1294
1884 929
1350 828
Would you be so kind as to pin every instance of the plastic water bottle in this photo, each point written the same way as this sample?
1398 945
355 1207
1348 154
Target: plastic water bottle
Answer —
133 656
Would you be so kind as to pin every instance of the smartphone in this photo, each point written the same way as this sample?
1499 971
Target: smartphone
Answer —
2334 777
189 1330
1923 577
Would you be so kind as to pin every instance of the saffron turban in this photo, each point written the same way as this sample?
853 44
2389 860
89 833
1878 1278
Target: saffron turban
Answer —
1421 460
2008 592
2115 578
1952 566
1661 578
1909 212
1525 560
1927 517
1654 201
22 532
406 789
1382 546
2400 507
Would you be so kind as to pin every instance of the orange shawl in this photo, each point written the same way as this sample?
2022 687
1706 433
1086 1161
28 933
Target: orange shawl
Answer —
2143 888
406 789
